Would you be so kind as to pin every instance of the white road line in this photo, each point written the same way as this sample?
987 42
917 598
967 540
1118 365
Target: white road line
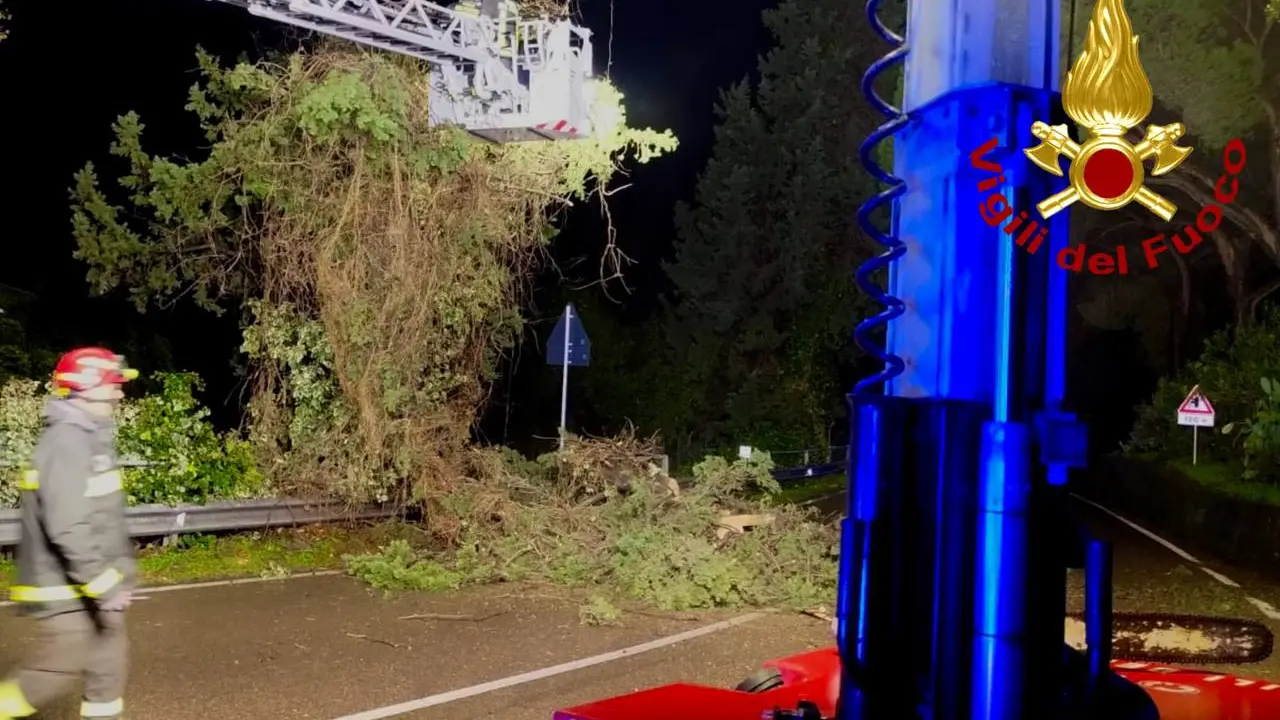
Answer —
1220 577
534 675
221 583
1168 545
1265 607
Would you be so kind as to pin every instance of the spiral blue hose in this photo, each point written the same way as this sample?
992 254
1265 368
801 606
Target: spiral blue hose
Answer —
892 365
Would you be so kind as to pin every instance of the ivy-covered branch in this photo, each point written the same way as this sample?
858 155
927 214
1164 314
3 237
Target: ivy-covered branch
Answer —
333 211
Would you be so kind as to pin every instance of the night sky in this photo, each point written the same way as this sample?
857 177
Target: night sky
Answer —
70 68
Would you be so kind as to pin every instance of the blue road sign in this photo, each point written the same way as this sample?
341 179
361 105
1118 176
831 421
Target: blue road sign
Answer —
579 345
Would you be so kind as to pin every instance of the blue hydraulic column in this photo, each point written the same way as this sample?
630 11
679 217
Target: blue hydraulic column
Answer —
975 70
936 616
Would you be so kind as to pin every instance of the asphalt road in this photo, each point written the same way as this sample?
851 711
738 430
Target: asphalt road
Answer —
327 648
323 648
1150 577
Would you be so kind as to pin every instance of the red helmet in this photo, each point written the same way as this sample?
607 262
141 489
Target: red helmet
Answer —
87 368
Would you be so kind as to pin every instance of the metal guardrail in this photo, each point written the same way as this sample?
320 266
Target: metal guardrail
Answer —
151 521
789 459
808 472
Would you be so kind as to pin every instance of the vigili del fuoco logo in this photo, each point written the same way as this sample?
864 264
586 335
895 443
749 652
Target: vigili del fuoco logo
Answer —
1107 93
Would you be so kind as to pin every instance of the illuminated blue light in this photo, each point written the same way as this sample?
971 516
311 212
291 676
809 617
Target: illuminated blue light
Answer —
1004 491
984 322
970 295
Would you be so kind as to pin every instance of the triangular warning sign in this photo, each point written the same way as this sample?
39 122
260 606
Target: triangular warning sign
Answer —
1196 403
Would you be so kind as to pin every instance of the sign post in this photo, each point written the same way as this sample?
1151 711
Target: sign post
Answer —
1197 412
568 345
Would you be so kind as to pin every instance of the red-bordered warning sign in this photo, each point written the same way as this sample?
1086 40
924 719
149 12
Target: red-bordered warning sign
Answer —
1196 403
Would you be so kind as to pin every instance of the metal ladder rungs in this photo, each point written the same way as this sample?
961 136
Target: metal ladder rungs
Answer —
406 47
346 32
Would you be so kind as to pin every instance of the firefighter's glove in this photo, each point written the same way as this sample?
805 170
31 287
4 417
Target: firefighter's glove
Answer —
118 602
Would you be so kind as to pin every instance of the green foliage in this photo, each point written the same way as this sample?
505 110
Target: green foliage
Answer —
20 402
399 567
1204 66
1229 371
186 461
640 545
380 258
303 414
281 337
1260 434
599 611
720 479
764 303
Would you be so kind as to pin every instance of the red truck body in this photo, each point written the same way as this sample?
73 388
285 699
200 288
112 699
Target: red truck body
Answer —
1179 694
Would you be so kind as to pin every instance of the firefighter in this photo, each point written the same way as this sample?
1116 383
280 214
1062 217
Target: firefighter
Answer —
75 561
503 12
508 14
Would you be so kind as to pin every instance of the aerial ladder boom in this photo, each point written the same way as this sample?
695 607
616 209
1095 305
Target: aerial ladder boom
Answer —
502 77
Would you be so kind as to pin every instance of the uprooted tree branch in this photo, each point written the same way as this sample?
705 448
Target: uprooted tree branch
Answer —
601 514
379 263
379 260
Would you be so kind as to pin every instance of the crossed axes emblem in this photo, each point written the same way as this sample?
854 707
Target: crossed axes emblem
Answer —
1106 170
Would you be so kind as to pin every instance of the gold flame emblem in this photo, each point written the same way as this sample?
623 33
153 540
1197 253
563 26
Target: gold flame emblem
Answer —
1108 93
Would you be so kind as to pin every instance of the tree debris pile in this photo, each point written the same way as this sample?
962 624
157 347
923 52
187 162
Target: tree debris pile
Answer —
379 261
554 9
595 470
717 542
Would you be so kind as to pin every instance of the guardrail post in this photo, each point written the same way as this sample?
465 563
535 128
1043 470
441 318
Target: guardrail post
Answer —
179 522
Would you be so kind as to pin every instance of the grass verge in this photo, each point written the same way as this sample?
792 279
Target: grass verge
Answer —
1225 479
202 558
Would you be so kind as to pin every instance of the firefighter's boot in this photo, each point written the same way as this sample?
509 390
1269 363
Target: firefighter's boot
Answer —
13 704
101 710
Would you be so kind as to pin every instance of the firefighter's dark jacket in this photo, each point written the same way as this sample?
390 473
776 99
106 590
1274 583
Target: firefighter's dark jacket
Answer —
75 550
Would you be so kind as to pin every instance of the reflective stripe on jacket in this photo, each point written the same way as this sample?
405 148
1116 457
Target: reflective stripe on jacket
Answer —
75 545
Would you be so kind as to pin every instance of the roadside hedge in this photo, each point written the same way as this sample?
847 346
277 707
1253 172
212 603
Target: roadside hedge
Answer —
185 460
1240 374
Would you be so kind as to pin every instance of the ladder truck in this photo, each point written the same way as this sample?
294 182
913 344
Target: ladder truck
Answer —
955 545
502 77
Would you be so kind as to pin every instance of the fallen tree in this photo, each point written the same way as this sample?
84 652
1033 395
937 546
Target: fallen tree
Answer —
378 260
379 264
601 516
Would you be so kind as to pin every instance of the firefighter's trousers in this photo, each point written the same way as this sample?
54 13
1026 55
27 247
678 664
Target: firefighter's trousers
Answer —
82 644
